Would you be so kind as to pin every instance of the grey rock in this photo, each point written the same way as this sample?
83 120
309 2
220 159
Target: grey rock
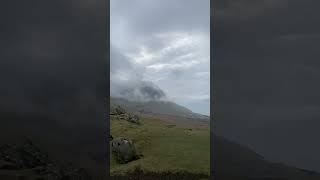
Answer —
117 110
133 118
121 114
123 150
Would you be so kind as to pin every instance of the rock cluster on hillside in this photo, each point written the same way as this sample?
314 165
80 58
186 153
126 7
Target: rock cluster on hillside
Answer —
123 149
117 110
121 114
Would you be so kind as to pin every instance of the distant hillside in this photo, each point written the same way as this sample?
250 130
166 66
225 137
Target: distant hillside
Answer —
174 147
157 107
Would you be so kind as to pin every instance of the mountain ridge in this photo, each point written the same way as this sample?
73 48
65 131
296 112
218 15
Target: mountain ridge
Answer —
157 107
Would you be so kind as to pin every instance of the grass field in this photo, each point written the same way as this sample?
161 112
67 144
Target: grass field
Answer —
166 146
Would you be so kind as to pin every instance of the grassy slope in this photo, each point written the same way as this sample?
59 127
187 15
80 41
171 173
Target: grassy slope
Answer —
164 148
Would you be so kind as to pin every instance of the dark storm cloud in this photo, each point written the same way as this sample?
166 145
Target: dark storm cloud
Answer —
266 72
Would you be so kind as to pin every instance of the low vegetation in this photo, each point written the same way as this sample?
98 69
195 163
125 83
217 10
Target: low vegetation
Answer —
167 149
138 174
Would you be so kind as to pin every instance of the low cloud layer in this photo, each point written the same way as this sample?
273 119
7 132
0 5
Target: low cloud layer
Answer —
126 80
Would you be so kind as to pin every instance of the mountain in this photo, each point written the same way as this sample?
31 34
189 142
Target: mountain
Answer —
157 107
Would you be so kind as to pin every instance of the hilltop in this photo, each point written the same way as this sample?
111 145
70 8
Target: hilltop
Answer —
165 108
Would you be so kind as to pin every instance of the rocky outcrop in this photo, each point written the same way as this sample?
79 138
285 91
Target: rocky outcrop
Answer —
121 114
117 110
123 150
131 118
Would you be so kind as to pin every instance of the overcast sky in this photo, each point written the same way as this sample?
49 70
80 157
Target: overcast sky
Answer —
166 42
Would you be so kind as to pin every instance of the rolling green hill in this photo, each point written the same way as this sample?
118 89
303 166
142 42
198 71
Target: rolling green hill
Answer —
175 147
165 146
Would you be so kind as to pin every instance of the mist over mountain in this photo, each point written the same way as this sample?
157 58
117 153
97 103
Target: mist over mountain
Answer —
158 107
139 91
129 89
126 80
163 42
128 85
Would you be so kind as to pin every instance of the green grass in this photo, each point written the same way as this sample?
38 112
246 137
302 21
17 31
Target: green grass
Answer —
164 148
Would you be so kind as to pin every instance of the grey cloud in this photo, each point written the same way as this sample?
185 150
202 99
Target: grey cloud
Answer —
119 63
127 80
165 15
167 43
142 91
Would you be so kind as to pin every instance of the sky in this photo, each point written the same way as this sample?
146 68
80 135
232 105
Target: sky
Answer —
163 45
267 73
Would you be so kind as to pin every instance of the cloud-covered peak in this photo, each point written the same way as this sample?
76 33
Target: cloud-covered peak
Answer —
162 51
127 80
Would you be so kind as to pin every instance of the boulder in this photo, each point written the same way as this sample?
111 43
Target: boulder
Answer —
123 150
133 118
110 137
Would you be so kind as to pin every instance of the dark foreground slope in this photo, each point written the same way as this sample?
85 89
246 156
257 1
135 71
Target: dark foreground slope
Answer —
167 148
28 161
79 146
138 174
233 161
